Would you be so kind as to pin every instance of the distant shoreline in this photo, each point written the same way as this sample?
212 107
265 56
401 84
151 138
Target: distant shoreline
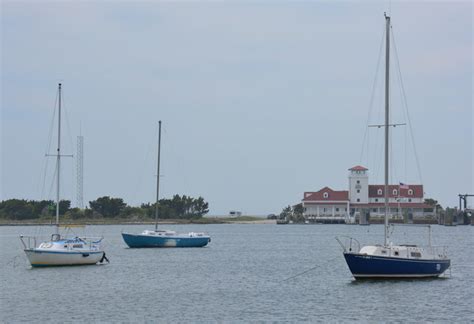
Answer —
86 222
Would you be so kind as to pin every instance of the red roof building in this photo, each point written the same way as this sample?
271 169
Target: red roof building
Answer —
346 205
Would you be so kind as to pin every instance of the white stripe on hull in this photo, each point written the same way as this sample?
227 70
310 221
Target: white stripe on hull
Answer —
37 258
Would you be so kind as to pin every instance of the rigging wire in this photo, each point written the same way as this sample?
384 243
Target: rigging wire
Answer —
371 103
53 179
68 130
48 146
405 103
143 168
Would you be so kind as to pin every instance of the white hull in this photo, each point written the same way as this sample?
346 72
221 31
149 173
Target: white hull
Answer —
41 258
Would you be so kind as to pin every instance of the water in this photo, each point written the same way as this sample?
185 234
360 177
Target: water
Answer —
239 277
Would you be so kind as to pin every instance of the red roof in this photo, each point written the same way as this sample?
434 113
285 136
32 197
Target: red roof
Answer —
375 193
358 168
332 195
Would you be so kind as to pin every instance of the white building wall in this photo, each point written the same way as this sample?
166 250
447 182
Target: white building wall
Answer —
381 199
315 209
359 187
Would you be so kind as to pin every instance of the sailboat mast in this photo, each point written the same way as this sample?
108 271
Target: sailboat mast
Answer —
58 159
158 177
387 103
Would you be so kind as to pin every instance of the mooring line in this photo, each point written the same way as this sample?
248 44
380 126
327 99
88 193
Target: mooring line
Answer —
311 269
12 261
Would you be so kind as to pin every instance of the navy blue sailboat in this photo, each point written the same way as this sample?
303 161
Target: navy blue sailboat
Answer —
164 238
389 260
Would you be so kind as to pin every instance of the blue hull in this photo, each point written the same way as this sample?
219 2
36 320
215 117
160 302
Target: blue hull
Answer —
368 266
146 241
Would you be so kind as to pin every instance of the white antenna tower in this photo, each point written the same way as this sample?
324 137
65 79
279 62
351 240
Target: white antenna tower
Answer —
80 172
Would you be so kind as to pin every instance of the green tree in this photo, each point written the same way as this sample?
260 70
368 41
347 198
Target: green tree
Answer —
297 213
16 209
286 213
108 207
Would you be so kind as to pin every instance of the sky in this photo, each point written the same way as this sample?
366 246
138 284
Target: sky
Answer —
260 101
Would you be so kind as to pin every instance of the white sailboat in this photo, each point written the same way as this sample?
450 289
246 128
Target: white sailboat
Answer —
62 251
390 260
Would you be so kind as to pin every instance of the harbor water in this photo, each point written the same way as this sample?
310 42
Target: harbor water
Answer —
249 272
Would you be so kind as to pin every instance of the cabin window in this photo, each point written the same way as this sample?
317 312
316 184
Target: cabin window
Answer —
358 200
395 253
374 210
410 192
337 209
415 254
325 195
358 181
358 191
395 192
383 252
379 192
376 199
409 199
77 246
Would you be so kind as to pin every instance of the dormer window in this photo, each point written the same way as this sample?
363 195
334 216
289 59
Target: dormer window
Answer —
379 192
325 195
410 192
395 192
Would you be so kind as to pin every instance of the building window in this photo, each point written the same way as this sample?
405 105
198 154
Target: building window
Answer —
325 195
379 192
395 192
410 192
376 199
358 191
358 200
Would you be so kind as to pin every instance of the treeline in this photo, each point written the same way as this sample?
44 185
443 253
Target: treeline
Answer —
178 207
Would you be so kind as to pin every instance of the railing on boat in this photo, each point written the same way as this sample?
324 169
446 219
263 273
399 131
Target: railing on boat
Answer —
88 243
348 244
28 241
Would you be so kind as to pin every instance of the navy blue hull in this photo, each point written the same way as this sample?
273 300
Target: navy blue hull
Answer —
147 241
368 266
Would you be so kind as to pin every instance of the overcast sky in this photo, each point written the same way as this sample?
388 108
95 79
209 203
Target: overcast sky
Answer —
260 101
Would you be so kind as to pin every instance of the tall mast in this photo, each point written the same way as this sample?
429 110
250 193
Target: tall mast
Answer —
58 160
387 100
158 177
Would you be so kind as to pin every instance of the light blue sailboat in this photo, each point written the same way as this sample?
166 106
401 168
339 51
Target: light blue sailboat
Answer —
60 250
164 238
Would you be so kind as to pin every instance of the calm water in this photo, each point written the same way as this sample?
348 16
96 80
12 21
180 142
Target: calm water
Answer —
239 277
